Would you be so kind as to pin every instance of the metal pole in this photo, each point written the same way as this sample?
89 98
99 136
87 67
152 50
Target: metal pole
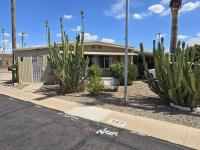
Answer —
126 54
3 41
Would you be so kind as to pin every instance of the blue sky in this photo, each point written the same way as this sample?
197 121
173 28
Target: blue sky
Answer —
104 20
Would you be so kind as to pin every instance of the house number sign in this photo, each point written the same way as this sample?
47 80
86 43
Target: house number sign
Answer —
118 123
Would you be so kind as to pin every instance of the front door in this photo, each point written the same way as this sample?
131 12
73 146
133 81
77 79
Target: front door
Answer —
37 63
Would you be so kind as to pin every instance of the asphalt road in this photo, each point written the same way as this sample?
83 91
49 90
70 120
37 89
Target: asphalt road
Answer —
25 126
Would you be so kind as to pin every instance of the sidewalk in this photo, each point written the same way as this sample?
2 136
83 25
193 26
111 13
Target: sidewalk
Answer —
174 133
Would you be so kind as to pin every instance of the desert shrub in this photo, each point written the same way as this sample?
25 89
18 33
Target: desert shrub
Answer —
117 71
177 75
95 84
94 71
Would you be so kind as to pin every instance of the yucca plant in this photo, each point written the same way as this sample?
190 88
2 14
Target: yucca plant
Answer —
68 62
177 78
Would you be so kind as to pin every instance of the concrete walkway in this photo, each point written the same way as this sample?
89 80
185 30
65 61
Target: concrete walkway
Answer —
174 133
33 87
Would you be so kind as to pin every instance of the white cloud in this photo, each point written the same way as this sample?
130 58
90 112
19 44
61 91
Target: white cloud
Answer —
20 34
190 6
140 15
77 29
58 34
5 41
190 40
166 12
6 34
157 8
194 40
137 16
107 40
183 37
68 17
90 37
198 34
117 10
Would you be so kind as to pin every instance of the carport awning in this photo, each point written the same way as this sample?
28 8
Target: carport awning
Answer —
109 53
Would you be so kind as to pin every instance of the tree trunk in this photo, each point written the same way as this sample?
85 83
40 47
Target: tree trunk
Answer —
174 30
14 45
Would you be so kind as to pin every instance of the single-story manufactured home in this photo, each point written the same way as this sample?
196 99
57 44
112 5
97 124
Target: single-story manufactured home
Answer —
34 67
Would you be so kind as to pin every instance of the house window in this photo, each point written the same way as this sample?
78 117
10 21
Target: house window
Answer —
22 59
6 62
104 61
91 60
93 46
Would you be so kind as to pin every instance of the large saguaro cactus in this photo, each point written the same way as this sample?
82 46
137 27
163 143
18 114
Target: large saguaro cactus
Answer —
68 62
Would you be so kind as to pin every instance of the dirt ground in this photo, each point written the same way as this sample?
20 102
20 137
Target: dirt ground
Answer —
142 102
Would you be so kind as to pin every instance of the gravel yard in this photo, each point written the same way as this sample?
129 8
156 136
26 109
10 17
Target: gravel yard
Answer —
142 102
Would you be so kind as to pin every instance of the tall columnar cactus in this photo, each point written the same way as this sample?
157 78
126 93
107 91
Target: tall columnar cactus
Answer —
68 62
177 75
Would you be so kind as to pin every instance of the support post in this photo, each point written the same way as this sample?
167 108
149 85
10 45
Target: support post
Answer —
126 54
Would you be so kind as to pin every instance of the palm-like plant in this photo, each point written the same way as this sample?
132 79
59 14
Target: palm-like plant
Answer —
82 18
175 6
46 27
22 38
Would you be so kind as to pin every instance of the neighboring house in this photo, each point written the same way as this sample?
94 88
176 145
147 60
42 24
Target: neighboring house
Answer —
34 67
5 60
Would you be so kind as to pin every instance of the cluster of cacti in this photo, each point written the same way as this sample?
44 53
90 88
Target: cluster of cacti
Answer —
177 75
68 62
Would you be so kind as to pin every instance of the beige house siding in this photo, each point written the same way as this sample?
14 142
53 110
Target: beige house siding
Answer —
25 64
101 49
25 70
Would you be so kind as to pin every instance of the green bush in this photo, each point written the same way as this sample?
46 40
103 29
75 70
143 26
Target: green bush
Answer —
95 85
117 71
177 75
94 71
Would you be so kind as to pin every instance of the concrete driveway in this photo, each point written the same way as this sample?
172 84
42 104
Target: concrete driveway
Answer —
26 126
